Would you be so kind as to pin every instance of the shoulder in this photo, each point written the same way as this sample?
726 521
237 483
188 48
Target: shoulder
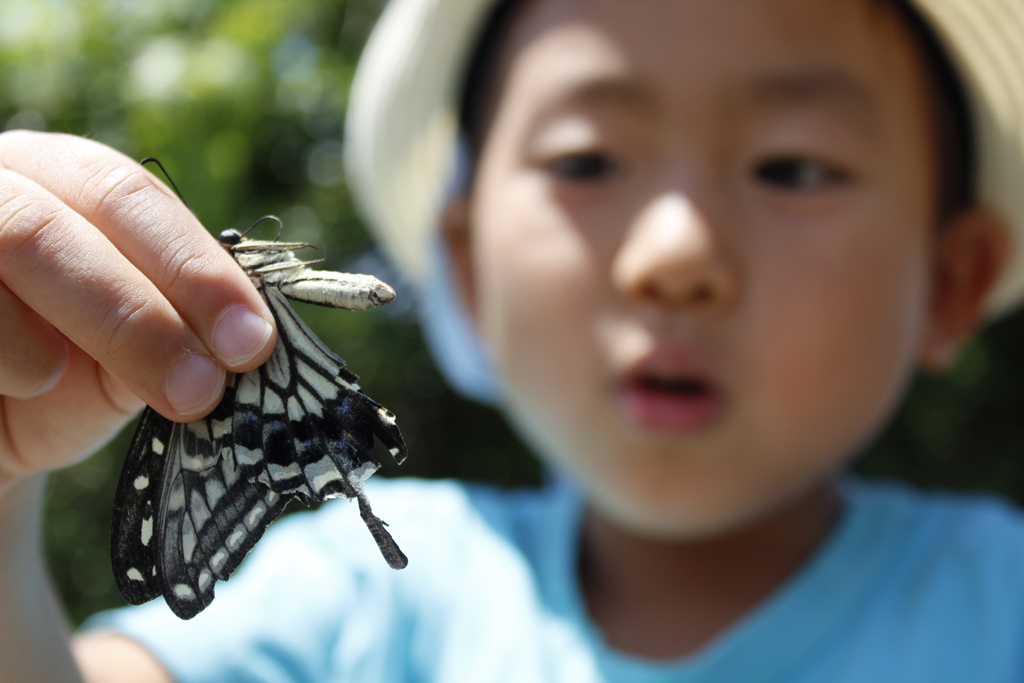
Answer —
437 513
474 551
930 583
458 536
451 526
983 526
954 560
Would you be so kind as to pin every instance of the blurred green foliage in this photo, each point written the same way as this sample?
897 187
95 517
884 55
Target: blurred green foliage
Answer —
243 100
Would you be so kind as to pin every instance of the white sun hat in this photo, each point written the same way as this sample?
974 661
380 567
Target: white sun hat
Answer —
401 129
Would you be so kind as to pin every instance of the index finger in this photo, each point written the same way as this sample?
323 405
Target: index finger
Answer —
121 267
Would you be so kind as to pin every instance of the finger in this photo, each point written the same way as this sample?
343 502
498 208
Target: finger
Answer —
61 426
32 353
157 234
70 274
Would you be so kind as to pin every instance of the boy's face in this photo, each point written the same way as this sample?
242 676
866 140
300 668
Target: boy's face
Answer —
700 245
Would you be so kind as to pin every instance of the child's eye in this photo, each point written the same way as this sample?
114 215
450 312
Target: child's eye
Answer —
585 166
798 174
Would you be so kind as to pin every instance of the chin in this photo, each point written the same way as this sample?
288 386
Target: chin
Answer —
687 508
673 520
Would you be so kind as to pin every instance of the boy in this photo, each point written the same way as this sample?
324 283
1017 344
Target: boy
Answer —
705 243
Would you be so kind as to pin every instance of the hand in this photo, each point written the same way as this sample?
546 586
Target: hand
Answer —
111 295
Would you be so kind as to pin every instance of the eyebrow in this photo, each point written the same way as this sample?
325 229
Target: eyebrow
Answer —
828 87
614 91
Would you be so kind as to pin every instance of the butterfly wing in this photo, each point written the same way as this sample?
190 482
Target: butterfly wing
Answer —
135 505
184 516
303 427
210 516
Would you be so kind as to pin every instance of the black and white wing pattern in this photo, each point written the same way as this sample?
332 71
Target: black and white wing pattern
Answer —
193 499
183 515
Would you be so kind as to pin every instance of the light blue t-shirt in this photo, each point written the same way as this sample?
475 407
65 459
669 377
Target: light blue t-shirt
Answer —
909 587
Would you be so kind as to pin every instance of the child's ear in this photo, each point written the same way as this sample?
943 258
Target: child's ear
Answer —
969 254
455 231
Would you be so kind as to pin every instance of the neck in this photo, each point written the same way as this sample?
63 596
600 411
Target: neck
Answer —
665 599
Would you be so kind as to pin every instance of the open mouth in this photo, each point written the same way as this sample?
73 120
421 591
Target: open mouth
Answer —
683 387
678 405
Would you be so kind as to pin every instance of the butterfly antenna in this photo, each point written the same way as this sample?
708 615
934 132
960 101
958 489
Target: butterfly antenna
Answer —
154 160
280 225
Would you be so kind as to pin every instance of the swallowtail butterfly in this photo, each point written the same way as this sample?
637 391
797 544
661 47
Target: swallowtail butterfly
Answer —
193 499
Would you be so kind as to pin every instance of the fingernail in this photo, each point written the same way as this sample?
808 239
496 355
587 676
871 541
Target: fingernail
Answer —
239 334
194 384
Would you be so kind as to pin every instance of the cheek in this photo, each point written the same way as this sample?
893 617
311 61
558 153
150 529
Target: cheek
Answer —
841 341
538 288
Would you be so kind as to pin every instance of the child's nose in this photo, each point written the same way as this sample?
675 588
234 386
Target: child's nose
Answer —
672 256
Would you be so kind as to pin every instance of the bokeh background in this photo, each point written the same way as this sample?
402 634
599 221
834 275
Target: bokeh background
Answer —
243 101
